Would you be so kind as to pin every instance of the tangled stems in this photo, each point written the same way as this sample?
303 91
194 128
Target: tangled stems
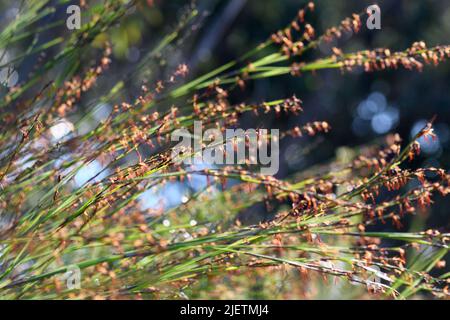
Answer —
317 223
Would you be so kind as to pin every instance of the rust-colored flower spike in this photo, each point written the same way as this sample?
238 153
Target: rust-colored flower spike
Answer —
310 129
379 159
413 58
182 70
427 132
293 37
67 96
127 250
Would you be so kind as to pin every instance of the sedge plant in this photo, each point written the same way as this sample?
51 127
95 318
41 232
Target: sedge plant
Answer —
54 220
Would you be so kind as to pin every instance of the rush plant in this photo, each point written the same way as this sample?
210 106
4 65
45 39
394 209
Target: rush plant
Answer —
75 196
